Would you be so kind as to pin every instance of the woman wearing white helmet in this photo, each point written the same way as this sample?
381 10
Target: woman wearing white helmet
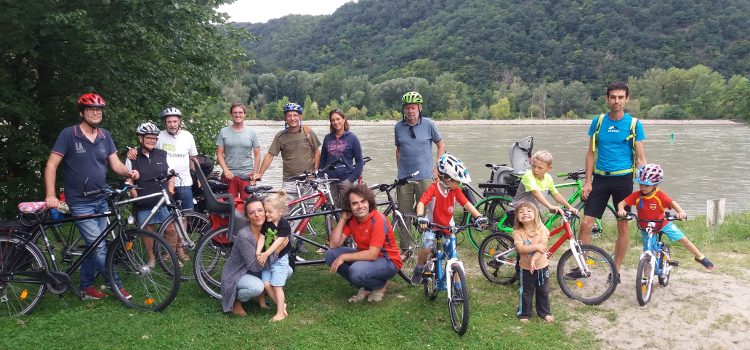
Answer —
151 163
452 172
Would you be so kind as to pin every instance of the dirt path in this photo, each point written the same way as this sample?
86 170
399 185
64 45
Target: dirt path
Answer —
697 310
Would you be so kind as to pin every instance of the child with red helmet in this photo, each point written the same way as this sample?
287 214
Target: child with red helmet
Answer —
651 202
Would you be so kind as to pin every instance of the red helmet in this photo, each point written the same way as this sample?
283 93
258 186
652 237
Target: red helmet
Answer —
91 100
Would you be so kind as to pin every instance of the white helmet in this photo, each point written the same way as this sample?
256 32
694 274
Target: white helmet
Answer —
147 128
454 168
169 111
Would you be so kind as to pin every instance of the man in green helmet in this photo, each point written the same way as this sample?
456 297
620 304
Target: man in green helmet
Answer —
414 136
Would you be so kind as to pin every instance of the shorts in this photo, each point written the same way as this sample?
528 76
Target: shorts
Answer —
428 239
278 272
160 216
671 230
604 187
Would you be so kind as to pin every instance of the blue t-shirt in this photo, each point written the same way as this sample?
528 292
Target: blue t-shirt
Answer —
84 162
614 151
416 152
346 148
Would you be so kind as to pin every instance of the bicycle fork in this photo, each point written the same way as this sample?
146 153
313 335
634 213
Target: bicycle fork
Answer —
449 275
580 258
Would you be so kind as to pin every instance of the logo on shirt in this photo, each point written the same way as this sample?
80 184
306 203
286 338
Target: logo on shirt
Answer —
169 147
79 148
450 209
652 206
613 129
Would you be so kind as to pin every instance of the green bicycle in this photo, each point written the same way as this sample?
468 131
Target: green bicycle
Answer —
496 206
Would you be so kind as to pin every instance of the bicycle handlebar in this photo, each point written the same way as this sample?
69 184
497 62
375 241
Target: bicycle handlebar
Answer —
453 229
667 216
576 175
396 182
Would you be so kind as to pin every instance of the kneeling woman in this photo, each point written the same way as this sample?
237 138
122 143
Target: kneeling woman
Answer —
376 258
241 276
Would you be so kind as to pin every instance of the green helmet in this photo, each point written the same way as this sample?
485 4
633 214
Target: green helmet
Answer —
412 97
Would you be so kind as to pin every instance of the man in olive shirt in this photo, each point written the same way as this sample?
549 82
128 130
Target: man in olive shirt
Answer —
299 148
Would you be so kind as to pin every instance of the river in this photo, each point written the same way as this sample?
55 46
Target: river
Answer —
700 161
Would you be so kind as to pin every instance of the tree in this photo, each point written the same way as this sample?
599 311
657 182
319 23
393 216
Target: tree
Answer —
140 55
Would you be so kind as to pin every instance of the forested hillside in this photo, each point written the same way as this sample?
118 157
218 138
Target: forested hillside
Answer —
480 41
503 59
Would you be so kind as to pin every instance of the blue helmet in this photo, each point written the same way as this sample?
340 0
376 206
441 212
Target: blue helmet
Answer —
292 107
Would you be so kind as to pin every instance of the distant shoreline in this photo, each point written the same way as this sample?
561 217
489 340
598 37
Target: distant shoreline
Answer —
507 122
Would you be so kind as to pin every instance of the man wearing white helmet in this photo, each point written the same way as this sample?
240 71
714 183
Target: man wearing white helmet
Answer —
452 172
180 147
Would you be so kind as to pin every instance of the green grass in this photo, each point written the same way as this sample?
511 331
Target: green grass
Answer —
320 317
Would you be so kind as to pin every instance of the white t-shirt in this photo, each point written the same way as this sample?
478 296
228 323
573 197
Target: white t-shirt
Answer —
179 149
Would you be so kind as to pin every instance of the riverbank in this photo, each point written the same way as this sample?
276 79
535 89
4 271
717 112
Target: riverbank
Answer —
390 123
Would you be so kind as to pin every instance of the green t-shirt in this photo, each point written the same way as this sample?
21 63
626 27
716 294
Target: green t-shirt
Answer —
296 151
529 183
238 149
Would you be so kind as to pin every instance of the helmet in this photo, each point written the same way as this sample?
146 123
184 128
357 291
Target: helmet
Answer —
292 107
412 97
454 168
91 100
649 174
147 128
169 111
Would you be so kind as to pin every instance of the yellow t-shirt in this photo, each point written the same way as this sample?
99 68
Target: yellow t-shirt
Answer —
529 183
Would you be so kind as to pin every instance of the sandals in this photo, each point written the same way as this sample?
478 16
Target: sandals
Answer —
376 295
361 295
706 263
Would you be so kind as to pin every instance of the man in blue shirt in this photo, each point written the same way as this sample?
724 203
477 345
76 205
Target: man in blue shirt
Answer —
84 151
414 137
615 151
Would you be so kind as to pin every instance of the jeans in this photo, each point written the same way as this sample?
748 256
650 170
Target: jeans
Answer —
249 286
185 195
370 275
90 230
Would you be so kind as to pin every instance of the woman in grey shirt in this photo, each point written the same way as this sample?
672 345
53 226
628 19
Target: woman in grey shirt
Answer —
240 278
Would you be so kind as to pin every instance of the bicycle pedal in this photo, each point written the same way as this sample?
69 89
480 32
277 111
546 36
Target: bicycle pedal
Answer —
674 263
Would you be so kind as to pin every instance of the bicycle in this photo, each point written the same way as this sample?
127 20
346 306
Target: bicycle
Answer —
408 237
189 225
443 268
593 276
496 208
655 259
26 274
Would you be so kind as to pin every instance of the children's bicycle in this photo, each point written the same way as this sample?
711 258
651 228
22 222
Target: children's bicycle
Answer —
655 259
585 272
442 269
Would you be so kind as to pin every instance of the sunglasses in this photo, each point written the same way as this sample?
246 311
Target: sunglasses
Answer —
411 131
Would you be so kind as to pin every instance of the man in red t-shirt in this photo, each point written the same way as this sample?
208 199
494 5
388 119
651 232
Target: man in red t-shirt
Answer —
376 258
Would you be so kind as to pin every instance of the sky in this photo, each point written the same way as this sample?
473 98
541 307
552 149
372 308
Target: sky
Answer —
255 11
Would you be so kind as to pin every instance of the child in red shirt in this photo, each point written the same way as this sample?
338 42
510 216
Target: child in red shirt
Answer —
446 191
650 203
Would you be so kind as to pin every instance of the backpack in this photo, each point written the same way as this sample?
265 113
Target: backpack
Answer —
630 138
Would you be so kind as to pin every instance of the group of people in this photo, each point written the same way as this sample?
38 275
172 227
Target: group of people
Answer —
259 266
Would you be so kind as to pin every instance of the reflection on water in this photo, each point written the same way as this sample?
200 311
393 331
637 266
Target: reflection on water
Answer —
702 162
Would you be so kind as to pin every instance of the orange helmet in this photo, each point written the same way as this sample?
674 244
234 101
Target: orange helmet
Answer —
91 100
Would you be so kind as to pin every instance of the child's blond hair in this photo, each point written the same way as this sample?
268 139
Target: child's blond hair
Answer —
543 155
537 222
277 201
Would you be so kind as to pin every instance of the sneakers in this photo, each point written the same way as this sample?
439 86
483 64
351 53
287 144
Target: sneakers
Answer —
362 294
416 276
125 293
574 274
92 293
706 263
617 278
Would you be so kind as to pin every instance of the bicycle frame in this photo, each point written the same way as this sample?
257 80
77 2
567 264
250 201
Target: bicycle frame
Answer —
653 248
445 266
173 210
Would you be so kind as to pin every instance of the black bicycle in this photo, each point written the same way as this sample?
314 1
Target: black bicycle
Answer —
26 274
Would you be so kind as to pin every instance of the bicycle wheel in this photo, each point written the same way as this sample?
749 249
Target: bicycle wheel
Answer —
593 288
211 253
430 279
409 242
459 303
150 288
20 293
495 209
195 225
665 268
497 259
644 278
